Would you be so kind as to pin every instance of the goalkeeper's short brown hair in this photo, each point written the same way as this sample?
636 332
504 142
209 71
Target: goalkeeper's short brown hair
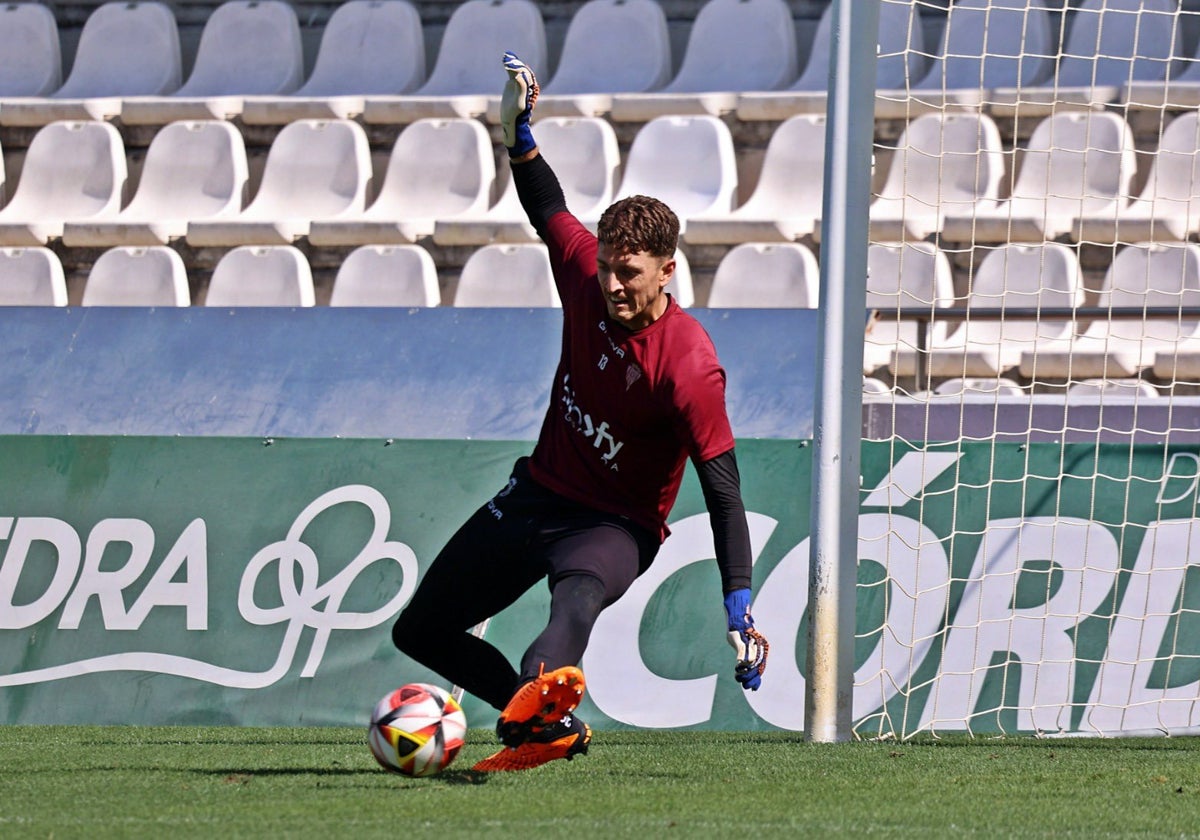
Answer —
640 223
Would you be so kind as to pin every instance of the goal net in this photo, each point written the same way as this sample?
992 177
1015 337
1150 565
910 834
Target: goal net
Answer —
1029 541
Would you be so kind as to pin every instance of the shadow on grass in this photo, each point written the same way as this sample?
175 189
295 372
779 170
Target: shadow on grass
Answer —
242 775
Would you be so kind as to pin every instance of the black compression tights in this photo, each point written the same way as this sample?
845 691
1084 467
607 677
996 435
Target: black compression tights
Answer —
575 603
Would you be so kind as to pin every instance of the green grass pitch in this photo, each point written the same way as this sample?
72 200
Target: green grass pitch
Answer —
94 782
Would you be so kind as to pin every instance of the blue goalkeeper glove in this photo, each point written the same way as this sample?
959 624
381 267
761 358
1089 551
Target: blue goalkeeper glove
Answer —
516 106
750 645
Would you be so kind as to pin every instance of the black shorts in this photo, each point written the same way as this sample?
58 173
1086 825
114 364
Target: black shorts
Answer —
521 535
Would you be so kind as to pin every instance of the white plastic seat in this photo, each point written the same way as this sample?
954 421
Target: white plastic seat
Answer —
680 286
31 277
1168 207
585 157
438 168
733 46
904 275
766 275
369 47
687 162
1109 44
277 275
125 49
611 46
1012 276
945 163
901 59
978 386
505 275
193 170
1106 389
1141 275
247 47
72 170
30 55
1078 164
315 169
387 275
986 44
786 202
153 276
468 72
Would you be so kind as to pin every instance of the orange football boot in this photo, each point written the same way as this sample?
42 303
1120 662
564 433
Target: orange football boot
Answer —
565 738
542 701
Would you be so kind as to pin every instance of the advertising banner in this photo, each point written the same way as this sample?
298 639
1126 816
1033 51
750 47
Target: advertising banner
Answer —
163 580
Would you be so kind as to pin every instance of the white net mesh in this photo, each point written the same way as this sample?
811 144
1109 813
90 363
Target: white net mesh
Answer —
1033 390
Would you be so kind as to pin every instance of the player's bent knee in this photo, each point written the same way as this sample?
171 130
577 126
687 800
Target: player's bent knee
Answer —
406 631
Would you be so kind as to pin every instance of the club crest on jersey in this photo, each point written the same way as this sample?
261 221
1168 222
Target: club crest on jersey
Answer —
632 374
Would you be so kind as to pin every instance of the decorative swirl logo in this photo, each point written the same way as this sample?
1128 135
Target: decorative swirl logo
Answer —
308 604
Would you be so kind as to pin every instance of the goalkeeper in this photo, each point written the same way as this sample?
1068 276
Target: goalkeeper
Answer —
638 391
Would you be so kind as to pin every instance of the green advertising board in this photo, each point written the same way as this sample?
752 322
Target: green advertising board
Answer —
1002 587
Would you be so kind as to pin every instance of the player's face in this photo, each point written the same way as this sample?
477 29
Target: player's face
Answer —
633 285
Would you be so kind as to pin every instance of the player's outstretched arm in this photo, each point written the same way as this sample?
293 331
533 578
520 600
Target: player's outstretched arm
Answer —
537 186
721 483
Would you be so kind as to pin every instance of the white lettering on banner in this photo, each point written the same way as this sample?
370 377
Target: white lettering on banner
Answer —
309 604
1190 478
613 660
918 577
28 530
987 621
1122 699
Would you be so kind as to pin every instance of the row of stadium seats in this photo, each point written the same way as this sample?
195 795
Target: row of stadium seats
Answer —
497 275
947 177
903 280
741 55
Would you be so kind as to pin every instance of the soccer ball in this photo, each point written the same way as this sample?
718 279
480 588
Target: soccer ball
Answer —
417 730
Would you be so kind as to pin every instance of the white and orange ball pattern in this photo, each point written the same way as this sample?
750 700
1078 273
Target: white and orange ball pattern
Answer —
417 730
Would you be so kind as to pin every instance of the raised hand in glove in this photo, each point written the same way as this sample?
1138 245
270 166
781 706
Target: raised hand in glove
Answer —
516 106
750 645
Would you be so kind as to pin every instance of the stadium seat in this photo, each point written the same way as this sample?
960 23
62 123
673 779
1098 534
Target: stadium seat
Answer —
438 168
1012 276
766 275
507 275
786 202
978 386
30 55
250 275
72 170
315 169
31 277
1078 164
368 47
1106 389
1109 44
153 276
945 163
1168 207
680 285
468 72
985 44
192 171
687 162
900 59
733 46
904 275
585 157
247 47
387 275
125 49
611 46
1140 275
